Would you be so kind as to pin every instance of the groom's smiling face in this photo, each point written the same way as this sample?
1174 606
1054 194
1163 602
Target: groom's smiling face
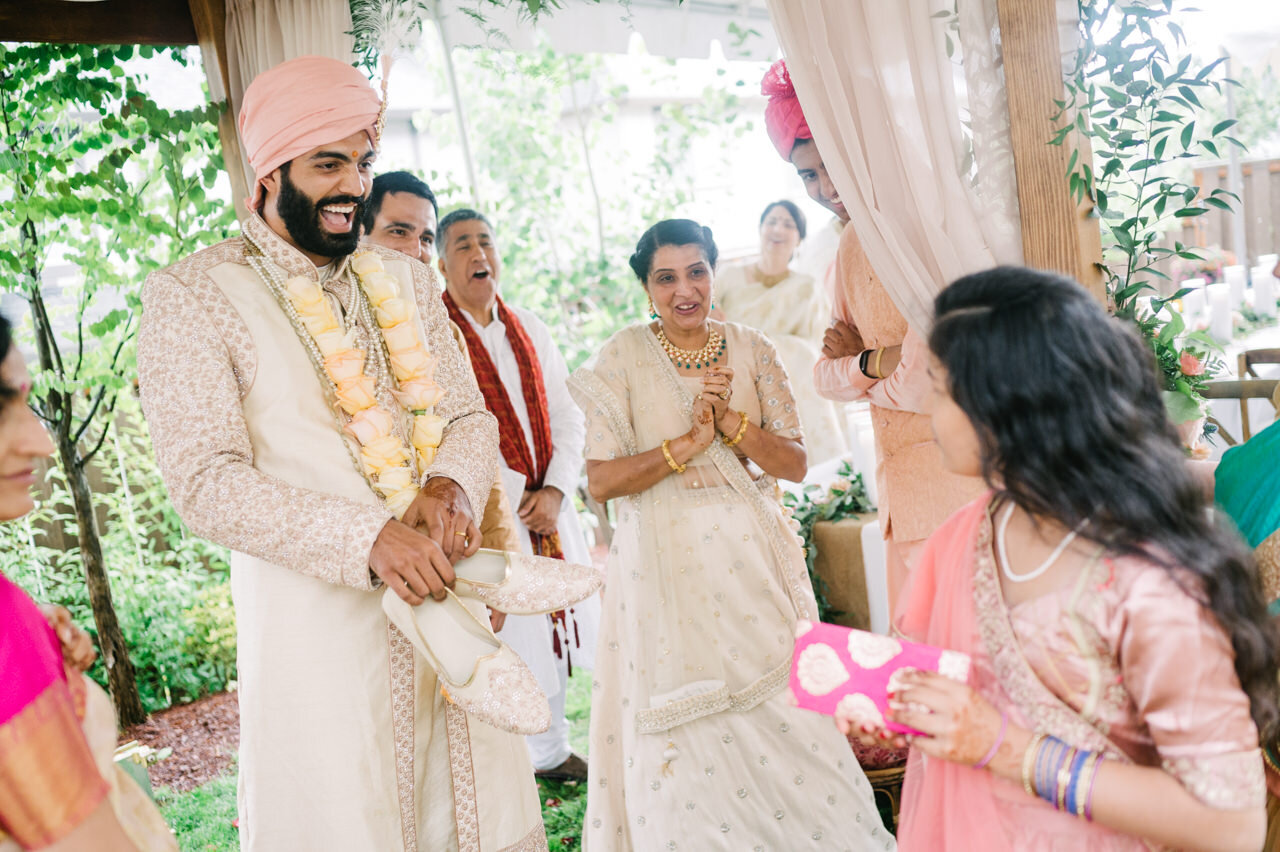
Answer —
316 200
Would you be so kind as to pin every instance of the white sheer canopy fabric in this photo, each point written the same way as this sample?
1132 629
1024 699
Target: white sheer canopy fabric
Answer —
263 33
929 201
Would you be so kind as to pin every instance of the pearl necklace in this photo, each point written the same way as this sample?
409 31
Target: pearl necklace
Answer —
1044 566
693 358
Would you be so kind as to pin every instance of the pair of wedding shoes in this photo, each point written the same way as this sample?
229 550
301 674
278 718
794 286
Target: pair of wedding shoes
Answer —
477 670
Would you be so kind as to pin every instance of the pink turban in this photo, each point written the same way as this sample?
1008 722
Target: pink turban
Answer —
783 116
299 105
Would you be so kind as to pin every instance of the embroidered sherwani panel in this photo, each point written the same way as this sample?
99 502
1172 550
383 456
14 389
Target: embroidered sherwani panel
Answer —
344 738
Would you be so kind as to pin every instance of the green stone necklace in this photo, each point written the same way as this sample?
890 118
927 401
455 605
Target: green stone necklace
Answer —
695 359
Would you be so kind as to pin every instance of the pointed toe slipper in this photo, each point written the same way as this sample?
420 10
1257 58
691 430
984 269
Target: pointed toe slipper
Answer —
518 584
477 671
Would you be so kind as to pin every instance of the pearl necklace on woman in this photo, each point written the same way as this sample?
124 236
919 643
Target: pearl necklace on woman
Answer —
693 358
1044 566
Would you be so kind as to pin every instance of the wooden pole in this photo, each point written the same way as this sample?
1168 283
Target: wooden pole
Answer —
210 18
1057 234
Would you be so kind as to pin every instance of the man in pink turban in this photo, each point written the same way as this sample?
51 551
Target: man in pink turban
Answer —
251 357
870 354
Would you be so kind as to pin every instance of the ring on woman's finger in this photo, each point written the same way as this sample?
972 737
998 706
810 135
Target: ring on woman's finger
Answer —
724 394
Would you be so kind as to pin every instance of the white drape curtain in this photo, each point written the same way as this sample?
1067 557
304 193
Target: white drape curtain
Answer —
264 33
929 199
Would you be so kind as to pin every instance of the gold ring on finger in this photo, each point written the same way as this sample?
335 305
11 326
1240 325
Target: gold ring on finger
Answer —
724 394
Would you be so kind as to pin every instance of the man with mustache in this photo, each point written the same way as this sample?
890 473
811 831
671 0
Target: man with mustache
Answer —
870 353
542 435
277 399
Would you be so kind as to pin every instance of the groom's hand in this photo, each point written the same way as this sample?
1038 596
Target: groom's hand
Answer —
443 512
410 563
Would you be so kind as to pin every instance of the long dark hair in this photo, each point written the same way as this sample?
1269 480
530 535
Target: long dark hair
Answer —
7 392
1067 407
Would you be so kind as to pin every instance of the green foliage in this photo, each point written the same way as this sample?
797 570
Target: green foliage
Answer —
564 806
846 498
171 590
564 238
1257 107
203 818
1135 93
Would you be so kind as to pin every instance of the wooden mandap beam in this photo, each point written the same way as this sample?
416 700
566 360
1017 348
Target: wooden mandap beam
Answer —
161 22
1057 234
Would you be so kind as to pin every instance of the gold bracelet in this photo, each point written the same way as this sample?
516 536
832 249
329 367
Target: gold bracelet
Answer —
1064 779
742 430
1028 760
1084 773
879 358
671 462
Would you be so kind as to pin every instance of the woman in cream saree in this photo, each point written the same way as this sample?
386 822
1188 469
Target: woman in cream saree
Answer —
694 744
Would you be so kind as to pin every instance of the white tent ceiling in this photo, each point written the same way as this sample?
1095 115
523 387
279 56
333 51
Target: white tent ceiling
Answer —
669 28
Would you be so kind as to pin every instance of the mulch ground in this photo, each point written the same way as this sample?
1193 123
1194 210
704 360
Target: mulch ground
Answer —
204 735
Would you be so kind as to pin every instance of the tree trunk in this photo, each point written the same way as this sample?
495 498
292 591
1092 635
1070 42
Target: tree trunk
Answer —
115 656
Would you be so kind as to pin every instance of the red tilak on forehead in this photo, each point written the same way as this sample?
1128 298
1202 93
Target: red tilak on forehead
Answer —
24 387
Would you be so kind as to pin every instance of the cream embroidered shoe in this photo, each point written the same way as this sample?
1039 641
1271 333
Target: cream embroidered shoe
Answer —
524 585
478 671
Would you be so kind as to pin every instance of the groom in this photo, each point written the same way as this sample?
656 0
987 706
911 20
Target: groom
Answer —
346 741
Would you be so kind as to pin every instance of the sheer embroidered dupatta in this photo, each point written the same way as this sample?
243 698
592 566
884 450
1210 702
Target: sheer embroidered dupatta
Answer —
955 602
689 551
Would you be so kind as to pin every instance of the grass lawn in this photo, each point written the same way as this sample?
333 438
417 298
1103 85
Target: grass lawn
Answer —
203 818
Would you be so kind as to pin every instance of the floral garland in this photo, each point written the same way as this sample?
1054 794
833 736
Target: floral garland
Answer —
386 460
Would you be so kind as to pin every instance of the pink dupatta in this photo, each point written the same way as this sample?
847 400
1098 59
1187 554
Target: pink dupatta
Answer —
949 806
955 602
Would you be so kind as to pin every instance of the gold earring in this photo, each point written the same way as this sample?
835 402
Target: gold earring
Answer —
653 311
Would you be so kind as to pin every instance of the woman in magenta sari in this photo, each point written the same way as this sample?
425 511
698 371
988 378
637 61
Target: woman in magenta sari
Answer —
1123 665
59 789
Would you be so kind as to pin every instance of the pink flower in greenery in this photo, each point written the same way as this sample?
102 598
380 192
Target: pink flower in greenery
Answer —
1190 364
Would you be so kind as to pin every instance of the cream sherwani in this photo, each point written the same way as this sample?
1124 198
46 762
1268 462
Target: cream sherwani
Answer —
530 636
345 741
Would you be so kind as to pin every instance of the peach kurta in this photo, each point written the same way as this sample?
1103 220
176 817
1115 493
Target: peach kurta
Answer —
916 492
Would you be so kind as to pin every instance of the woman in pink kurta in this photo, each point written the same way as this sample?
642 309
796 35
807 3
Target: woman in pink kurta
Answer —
1123 665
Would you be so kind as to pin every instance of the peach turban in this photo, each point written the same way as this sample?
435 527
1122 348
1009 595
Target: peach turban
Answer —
782 116
299 105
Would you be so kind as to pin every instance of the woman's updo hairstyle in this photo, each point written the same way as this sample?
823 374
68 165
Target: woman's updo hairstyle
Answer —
672 232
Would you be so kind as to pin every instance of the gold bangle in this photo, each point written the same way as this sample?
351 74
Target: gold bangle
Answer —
1028 760
742 430
671 462
879 358
1084 773
1064 779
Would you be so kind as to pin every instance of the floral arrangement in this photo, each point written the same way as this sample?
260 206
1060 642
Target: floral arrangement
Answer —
1187 361
846 497
1207 265
392 465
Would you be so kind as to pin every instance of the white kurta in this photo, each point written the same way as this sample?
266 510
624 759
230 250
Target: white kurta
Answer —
346 742
530 636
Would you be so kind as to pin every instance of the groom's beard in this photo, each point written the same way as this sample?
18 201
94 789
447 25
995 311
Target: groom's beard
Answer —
301 216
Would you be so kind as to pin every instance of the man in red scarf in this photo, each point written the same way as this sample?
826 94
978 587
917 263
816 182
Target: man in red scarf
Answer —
522 376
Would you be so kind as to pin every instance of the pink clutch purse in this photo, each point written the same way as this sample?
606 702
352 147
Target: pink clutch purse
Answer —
840 669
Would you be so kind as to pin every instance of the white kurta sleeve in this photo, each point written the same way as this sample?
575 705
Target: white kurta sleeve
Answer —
568 426
468 454
192 404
